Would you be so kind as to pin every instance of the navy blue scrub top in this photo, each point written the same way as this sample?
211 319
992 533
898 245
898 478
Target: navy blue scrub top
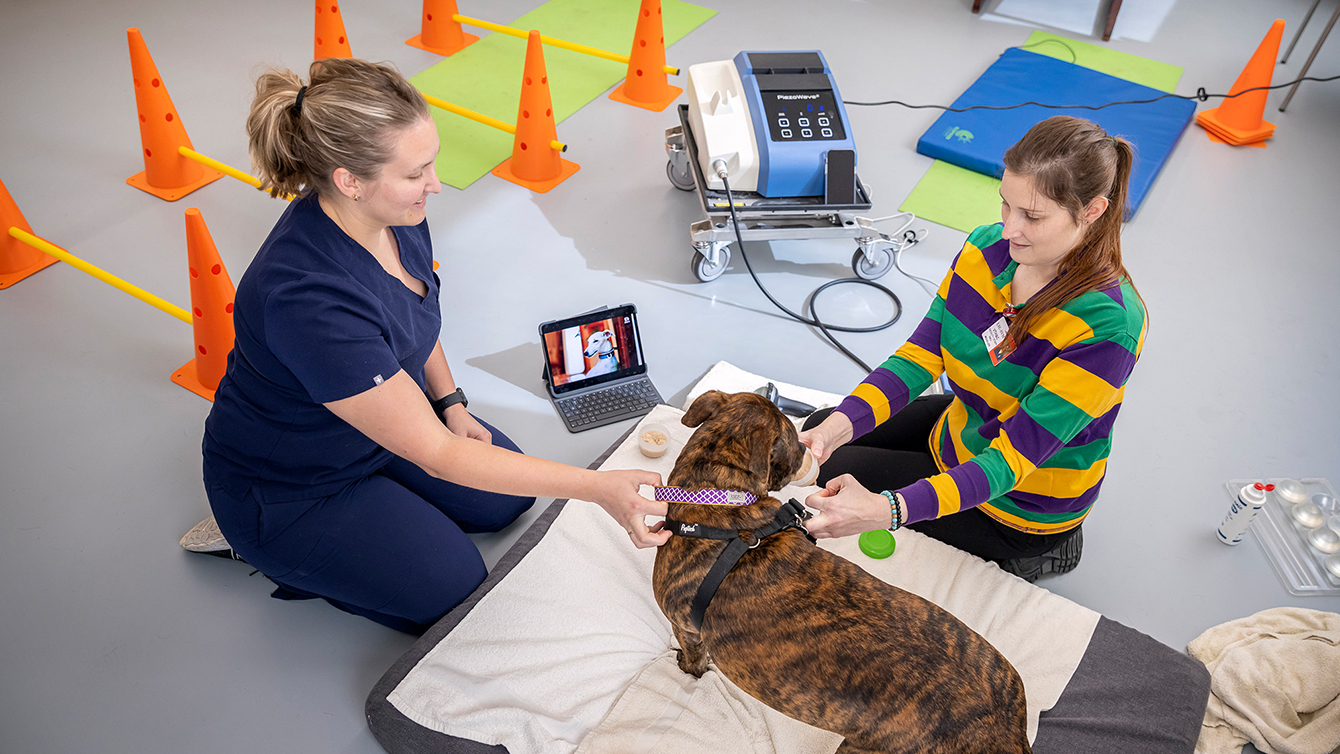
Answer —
317 320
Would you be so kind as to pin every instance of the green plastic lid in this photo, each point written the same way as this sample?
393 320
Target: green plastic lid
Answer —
878 543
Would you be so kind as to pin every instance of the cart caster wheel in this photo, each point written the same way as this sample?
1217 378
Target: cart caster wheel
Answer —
873 268
705 270
680 179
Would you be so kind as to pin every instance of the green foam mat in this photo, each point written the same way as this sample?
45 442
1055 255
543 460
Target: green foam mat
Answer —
962 199
486 76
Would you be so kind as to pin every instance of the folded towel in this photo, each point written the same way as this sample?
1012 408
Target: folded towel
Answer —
1274 681
668 710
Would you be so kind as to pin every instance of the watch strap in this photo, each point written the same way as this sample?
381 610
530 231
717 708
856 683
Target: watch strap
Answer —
449 400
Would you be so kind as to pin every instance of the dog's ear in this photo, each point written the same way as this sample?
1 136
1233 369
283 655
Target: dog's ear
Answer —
703 407
787 455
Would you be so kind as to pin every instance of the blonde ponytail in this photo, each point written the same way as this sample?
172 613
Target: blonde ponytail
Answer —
348 110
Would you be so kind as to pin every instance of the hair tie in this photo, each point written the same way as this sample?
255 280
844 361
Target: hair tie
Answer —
297 104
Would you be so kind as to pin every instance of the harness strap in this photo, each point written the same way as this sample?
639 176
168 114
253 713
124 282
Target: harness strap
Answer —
791 515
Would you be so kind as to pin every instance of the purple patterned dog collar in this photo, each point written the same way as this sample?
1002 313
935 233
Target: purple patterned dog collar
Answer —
705 497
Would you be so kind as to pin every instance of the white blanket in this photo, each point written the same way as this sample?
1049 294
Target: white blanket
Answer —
1274 681
571 645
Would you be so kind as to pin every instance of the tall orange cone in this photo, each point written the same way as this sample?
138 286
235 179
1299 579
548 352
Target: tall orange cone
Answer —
167 175
441 32
534 163
331 41
646 85
211 308
1239 119
18 260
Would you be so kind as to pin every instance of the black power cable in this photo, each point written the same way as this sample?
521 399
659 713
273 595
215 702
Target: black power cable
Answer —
1201 96
813 319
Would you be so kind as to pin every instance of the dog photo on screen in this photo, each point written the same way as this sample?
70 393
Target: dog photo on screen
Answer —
589 350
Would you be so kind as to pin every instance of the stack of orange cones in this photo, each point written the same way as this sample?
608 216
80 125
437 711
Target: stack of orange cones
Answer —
1239 120
18 260
330 39
212 309
167 175
646 85
535 163
441 33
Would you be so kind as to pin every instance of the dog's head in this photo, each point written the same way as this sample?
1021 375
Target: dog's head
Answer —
597 341
747 431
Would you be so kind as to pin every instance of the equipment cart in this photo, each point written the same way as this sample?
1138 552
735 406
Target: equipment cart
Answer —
768 218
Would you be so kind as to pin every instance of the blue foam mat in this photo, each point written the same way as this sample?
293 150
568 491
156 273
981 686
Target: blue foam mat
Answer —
977 139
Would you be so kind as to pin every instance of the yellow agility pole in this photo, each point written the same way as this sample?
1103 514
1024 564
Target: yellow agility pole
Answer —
501 125
562 45
47 247
191 154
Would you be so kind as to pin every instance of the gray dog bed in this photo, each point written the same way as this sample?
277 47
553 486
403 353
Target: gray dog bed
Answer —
1128 693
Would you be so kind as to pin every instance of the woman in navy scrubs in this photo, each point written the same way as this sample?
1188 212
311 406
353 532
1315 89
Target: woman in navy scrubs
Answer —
339 457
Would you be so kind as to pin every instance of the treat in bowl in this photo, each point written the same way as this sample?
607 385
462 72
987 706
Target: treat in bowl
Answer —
653 441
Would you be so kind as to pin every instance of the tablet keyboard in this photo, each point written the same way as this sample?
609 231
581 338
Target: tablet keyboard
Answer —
609 404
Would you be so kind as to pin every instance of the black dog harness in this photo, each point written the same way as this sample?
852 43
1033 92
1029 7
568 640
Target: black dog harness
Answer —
791 515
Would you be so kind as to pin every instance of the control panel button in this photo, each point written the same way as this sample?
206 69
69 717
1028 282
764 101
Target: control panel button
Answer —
783 122
827 133
786 133
803 121
806 133
823 121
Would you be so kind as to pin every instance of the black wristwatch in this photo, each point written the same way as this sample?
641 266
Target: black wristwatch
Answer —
449 400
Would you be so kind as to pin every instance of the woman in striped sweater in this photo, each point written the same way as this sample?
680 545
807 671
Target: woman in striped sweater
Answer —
1037 326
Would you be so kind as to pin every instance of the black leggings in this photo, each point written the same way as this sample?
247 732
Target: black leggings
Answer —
897 453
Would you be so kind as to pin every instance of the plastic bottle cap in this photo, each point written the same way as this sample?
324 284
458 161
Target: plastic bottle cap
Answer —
878 544
1253 494
1270 488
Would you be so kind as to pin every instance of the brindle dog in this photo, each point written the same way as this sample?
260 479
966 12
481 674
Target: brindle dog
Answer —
811 634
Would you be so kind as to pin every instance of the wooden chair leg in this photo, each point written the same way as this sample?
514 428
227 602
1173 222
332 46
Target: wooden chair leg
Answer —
976 6
1111 20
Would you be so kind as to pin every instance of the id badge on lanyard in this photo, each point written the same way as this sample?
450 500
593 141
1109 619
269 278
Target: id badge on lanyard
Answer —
998 343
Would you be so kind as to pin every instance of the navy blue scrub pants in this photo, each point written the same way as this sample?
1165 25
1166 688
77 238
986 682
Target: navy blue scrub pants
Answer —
391 547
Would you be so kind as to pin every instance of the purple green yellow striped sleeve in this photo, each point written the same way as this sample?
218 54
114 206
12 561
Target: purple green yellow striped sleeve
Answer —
905 375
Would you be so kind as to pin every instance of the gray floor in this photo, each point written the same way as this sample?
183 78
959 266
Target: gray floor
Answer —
113 639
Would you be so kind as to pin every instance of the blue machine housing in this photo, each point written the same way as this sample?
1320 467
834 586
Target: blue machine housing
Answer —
798 116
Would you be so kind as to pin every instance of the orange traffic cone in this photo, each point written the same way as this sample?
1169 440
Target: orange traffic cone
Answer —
646 85
331 41
212 309
167 175
1238 120
535 163
441 32
18 260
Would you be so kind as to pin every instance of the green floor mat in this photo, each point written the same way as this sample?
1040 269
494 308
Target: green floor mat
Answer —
486 76
962 199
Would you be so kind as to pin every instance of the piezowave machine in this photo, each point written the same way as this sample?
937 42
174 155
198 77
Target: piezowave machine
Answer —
775 124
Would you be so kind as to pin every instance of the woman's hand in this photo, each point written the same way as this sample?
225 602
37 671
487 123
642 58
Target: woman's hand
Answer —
617 493
846 508
831 434
462 424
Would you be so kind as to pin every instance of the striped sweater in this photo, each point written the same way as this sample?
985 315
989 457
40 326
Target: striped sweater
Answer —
1025 440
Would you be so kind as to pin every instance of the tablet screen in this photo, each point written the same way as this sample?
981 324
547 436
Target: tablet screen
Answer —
592 349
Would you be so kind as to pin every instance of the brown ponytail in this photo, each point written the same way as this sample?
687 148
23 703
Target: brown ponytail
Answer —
346 113
1072 162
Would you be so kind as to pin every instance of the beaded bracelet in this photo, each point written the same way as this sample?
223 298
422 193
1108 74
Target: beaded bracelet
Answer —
895 510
